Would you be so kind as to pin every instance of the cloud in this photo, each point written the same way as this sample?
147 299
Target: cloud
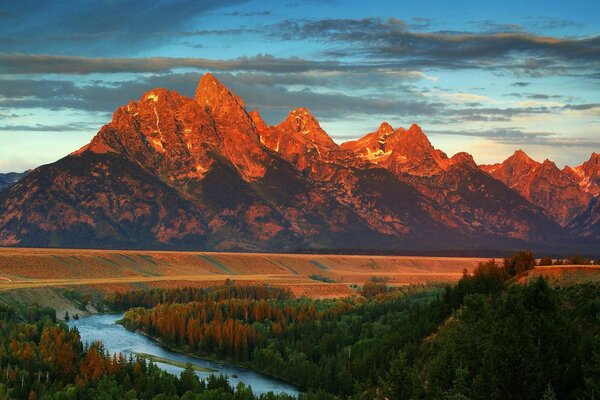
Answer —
488 26
46 128
518 136
269 93
547 23
459 97
25 64
263 13
362 44
421 22
392 39
212 32
330 94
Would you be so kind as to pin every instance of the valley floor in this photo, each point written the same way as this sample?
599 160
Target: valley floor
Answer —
304 274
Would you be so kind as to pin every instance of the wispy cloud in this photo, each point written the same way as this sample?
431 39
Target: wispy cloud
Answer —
518 136
24 64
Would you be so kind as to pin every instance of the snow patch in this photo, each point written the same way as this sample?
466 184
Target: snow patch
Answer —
158 142
201 169
377 154
152 97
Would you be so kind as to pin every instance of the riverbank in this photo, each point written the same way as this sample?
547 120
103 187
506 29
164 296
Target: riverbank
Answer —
209 358
117 339
63 301
157 359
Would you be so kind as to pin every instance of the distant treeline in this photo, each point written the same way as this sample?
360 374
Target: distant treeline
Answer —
152 297
572 260
562 255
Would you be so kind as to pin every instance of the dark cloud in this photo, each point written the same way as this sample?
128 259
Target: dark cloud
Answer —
273 98
42 89
582 107
193 45
45 128
367 44
535 96
329 96
213 32
275 102
24 64
421 22
541 96
391 39
263 13
521 84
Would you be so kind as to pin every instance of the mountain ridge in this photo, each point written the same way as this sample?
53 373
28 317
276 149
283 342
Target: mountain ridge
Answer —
222 179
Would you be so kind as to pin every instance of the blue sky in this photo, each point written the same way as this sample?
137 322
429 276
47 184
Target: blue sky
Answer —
484 77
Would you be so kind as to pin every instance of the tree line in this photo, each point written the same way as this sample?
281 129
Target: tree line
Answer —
46 360
485 337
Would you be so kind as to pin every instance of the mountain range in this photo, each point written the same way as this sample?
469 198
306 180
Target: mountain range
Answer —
10 178
174 172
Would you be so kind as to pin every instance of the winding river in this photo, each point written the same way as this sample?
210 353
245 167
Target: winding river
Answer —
118 339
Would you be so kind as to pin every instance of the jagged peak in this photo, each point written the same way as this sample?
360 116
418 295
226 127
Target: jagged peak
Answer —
302 118
301 122
414 136
591 167
463 158
594 158
157 95
385 128
414 128
521 156
153 95
212 94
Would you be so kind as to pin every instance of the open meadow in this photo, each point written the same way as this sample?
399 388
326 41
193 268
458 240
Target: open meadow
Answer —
316 276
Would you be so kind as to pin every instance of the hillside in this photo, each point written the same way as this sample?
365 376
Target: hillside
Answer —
563 275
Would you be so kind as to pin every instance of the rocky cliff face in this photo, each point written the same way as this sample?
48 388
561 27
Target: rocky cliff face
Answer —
205 173
587 175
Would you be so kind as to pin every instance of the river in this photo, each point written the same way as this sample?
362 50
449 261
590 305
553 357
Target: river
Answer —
118 339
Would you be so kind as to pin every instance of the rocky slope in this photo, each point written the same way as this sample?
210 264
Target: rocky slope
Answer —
467 198
543 184
587 175
205 173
